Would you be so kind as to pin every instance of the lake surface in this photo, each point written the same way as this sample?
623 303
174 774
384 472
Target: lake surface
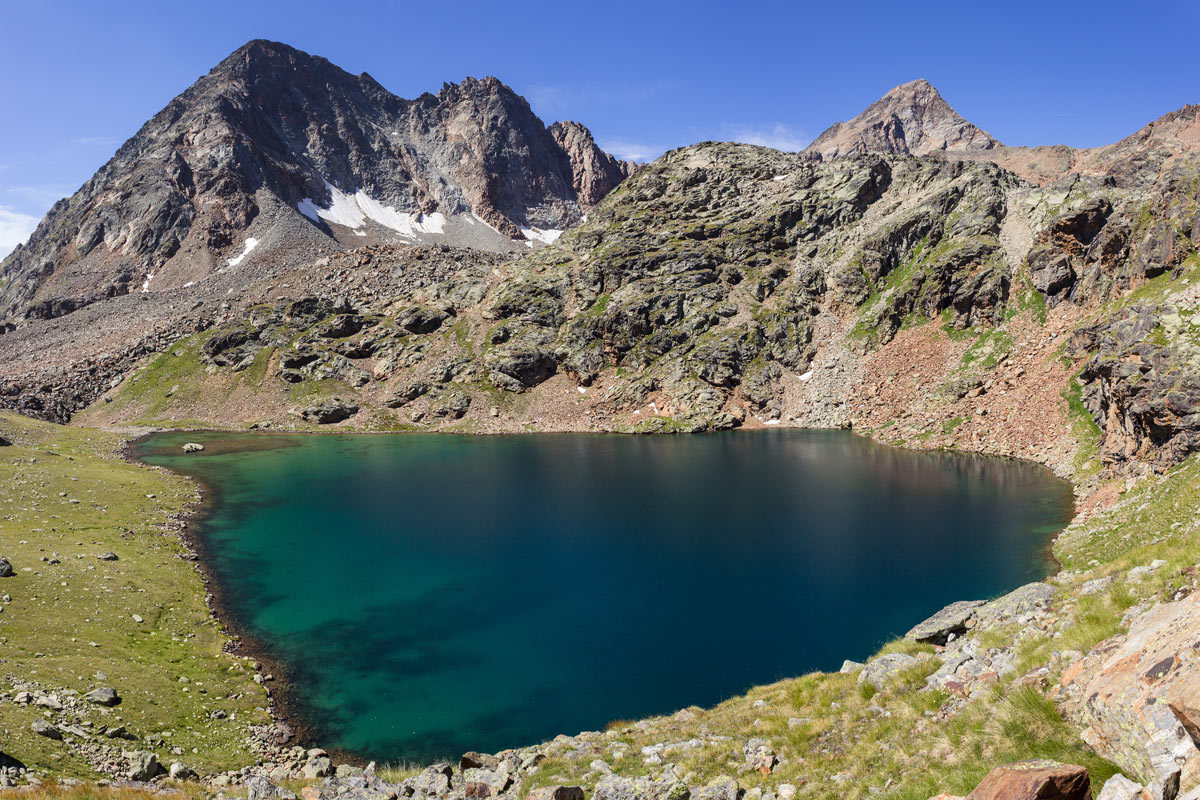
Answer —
433 594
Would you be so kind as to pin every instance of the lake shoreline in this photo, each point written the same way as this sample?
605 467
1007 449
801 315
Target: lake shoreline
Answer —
284 706
240 641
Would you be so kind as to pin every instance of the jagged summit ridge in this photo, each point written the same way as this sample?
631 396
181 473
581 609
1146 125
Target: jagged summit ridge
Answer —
912 118
287 150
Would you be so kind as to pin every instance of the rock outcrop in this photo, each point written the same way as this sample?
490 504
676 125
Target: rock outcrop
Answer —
1138 696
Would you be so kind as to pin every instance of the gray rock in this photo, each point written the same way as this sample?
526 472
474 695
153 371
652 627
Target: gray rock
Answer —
103 696
880 671
723 788
953 619
1118 787
43 728
192 447
6 568
1097 585
851 667
1005 610
107 557
434 781
143 765
614 787
181 772
317 767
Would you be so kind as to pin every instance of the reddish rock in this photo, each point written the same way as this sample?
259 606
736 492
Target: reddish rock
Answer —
1035 780
1139 695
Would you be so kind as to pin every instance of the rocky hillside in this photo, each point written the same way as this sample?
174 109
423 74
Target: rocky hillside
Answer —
277 152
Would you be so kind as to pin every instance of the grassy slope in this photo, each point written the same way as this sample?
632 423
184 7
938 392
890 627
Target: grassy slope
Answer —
66 495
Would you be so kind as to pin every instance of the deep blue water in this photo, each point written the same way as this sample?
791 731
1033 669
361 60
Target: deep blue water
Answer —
434 594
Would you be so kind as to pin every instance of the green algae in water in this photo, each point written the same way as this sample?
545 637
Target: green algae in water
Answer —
435 594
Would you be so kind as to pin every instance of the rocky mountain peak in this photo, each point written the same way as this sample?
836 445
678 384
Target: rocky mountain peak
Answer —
911 118
276 150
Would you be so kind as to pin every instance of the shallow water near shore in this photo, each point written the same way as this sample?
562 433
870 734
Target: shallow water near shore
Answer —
432 594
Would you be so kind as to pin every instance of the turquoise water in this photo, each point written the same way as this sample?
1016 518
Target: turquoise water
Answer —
436 594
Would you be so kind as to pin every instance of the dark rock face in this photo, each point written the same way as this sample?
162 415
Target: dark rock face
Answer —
1142 382
912 118
244 163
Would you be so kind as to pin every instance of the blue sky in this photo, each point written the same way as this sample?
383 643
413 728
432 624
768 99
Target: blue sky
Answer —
78 77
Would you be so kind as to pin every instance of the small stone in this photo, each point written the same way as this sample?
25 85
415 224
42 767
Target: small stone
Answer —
103 696
107 557
6 568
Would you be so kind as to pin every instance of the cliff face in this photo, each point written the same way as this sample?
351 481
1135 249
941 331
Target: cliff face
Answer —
276 150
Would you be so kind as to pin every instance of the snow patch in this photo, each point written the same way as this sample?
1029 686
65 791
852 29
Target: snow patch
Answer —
581 390
309 209
771 422
781 177
251 243
189 284
546 235
806 376
146 283
353 210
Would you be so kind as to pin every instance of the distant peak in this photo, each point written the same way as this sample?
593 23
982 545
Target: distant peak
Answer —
911 118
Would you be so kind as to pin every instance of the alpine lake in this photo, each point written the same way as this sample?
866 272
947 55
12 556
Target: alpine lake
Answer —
430 594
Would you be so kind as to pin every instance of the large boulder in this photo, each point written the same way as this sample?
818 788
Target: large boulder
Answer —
6 568
1035 780
954 619
1139 696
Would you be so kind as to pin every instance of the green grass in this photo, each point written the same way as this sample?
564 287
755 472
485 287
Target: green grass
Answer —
59 610
1085 430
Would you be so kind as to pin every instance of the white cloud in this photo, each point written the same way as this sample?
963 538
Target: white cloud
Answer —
778 137
627 150
14 229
